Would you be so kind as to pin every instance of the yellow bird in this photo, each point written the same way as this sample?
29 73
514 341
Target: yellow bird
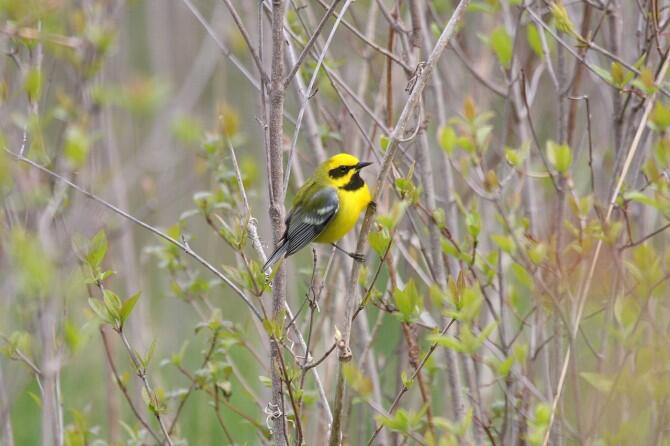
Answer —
326 207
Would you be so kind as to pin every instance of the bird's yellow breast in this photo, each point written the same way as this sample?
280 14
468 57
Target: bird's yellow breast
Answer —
352 203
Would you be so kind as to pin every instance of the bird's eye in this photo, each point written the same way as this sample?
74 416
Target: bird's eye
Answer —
343 169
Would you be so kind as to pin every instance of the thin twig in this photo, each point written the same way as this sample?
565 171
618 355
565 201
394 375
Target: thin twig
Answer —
247 40
581 301
184 247
310 86
397 134
310 43
122 386
405 388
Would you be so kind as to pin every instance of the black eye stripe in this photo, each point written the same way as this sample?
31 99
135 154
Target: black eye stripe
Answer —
340 171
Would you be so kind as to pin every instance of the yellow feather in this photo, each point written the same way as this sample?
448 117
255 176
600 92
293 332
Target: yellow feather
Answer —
352 204
314 203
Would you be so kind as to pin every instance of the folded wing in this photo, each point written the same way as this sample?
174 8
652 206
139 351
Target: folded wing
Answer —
313 209
309 217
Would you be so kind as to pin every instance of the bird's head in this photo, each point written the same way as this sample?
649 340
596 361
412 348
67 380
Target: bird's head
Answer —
342 171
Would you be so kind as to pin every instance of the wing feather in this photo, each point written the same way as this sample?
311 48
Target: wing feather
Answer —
309 217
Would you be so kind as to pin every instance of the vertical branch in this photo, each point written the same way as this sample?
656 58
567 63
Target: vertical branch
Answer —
6 434
615 44
579 73
398 133
554 349
52 431
586 285
453 370
276 135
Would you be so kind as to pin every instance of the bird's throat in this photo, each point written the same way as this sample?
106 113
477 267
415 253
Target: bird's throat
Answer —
355 183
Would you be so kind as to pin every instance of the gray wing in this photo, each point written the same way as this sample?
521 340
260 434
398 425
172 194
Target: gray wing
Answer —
307 220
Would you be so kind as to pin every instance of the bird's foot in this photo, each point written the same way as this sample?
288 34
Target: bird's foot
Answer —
357 257
354 255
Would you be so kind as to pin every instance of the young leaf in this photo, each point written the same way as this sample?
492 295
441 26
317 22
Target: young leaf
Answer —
33 84
660 117
602 383
534 40
77 144
384 142
562 18
502 45
127 307
97 249
112 303
560 156
357 380
100 310
446 137
504 242
409 302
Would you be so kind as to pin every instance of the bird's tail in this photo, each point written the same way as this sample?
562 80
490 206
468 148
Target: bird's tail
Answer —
278 253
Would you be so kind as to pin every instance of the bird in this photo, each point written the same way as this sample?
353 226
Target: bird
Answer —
325 208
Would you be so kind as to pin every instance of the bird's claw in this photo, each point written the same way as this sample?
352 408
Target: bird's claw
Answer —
357 257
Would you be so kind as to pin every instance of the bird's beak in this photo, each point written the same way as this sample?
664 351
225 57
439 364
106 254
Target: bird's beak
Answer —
362 164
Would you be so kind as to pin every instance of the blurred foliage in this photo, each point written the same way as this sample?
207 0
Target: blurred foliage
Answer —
525 150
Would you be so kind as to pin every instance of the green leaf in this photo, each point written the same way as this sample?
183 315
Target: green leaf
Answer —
523 276
514 157
535 40
602 383
643 199
77 145
504 242
446 137
505 366
409 302
112 303
357 380
473 223
471 303
604 74
439 217
150 354
34 271
187 129
562 18
646 81
379 241
32 84
620 75
560 156
407 382
100 310
448 248
660 117
72 334
97 249
486 332
502 45
404 421
626 312
537 253
384 142
127 307
448 342
6 179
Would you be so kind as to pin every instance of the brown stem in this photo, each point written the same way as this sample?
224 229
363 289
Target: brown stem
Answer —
397 134
110 361
276 171
409 330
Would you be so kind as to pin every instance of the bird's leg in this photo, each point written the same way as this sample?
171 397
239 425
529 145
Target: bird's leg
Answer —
354 255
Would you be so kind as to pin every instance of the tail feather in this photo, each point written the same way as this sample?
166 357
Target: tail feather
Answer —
279 252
